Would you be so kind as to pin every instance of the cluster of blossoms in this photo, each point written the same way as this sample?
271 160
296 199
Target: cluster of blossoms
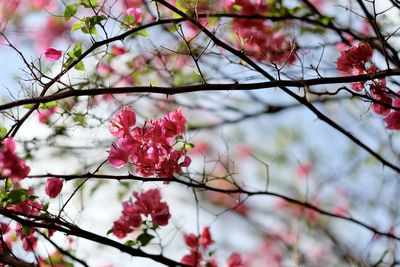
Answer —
261 40
199 247
151 147
11 166
28 238
147 204
353 61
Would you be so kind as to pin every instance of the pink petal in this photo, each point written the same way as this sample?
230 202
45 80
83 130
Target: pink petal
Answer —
52 54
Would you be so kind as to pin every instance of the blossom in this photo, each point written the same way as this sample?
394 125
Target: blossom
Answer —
192 259
304 169
52 54
120 125
205 238
128 222
191 240
10 164
235 260
354 57
118 155
132 3
29 240
173 123
53 187
149 203
382 109
27 206
44 115
133 213
392 120
150 147
134 16
40 4
212 263
118 51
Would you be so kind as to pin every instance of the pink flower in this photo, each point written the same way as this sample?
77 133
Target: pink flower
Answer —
192 259
40 4
212 263
173 123
137 14
205 238
191 240
44 115
382 109
235 260
52 54
28 207
151 147
54 187
118 156
354 57
10 164
118 51
128 222
149 203
392 120
133 3
303 169
120 125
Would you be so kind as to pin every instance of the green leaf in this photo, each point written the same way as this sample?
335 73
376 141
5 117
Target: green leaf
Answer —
15 196
132 243
70 11
89 3
33 197
80 66
94 20
236 8
109 231
144 239
28 106
143 33
69 61
26 230
326 20
90 30
3 132
80 119
76 51
189 146
48 105
77 25
9 183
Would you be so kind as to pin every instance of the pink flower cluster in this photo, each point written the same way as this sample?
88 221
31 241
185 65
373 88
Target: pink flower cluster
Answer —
199 247
261 40
29 207
151 147
11 166
147 204
353 61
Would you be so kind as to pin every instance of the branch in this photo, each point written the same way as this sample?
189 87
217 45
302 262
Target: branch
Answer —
202 87
55 224
195 184
300 99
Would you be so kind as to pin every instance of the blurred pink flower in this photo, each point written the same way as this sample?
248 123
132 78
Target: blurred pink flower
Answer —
52 54
54 187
